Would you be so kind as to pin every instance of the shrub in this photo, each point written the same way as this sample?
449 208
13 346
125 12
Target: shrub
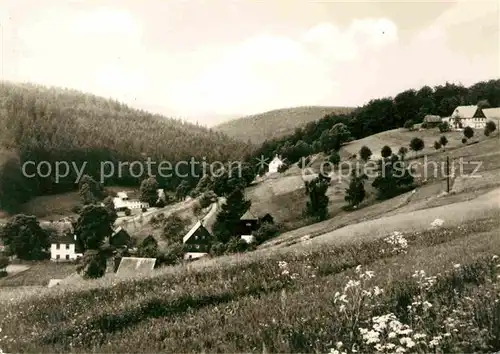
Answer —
408 125
468 132
424 125
464 140
283 167
386 151
161 203
4 262
266 232
437 145
172 256
76 209
444 127
416 144
237 245
144 209
365 153
128 212
207 198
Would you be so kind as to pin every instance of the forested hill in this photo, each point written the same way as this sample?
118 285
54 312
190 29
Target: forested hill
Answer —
276 123
379 115
41 123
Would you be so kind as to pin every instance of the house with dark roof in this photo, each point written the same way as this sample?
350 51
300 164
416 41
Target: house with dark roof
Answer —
120 238
197 241
64 248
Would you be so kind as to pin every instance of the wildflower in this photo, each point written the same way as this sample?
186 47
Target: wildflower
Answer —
407 341
377 291
494 257
369 274
339 345
400 350
358 268
437 223
456 266
371 337
418 336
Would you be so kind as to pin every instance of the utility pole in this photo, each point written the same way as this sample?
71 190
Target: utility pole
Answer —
447 173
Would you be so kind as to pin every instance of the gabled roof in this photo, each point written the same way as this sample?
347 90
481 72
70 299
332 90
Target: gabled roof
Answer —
432 119
492 113
248 216
465 111
191 232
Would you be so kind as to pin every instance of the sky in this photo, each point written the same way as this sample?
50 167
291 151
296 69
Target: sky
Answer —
206 61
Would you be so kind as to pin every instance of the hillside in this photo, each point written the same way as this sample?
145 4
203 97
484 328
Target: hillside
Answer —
275 123
53 124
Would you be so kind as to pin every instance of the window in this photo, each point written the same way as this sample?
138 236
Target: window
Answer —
67 256
196 237
67 246
197 247
57 246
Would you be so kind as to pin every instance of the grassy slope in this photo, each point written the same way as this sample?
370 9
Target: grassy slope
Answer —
275 123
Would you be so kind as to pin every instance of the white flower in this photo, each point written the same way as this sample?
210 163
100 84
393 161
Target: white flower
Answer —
339 345
417 336
456 266
392 335
400 350
407 341
377 291
369 274
437 223
358 268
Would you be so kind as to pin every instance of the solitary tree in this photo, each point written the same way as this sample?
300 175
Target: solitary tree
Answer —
93 226
355 194
148 192
386 151
403 150
437 145
365 153
25 238
317 206
416 144
468 132
489 128
443 141
444 127
464 140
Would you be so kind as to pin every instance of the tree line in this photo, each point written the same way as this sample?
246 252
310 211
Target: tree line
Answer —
52 124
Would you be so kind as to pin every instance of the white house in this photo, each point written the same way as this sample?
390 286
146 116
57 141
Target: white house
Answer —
275 164
63 248
468 116
122 202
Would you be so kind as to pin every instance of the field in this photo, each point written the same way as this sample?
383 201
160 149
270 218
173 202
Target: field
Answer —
401 137
38 274
276 123
441 282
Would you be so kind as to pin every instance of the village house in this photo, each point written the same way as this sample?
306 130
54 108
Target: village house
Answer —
432 121
123 202
468 116
247 225
197 241
120 238
275 164
64 248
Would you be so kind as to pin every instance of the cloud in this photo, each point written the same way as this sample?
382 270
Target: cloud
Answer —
266 72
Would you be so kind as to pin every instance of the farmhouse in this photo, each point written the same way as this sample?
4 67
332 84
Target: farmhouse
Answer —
275 164
432 121
64 248
122 202
197 241
120 238
248 223
468 116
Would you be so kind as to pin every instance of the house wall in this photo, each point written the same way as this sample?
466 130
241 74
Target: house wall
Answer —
274 165
476 123
63 252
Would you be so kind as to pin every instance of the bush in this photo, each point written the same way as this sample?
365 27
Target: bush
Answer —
76 209
4 262
161 203
207 198
172 256
197 208
144 210
437 145
424 125
128 212
444 127
283 167
464 140
468 132
266 232
237 245
408 125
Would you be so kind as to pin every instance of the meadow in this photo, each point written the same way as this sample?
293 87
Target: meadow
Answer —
434 290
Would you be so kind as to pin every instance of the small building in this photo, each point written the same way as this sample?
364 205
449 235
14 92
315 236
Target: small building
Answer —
123 202
468 116
247 225
64 248
266 219
432 121
275 164
197 241
120 238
